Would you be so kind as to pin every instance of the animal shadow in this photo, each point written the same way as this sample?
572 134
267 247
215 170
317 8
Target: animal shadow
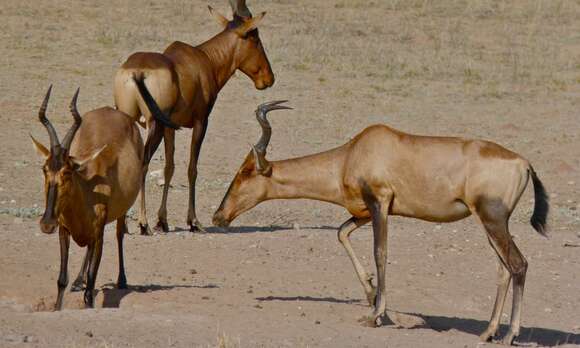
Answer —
528 335
272 228
307 298
112 296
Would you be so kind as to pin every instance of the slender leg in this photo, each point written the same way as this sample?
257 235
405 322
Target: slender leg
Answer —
496 226
504 279
199 130
169 141
121 230
93 269
154 137
343 236
81 281
64 238
518 267
379 214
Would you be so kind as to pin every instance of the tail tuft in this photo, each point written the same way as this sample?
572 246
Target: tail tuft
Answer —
541 205
156 112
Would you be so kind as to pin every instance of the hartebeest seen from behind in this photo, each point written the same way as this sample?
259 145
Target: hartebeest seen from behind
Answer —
91 178
383 172
185 82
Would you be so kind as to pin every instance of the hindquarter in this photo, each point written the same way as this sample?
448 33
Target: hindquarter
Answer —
160 78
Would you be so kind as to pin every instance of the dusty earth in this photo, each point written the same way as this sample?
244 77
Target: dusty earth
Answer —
504 71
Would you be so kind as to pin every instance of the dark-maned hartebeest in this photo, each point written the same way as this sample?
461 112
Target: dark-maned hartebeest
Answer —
383 172
90 179
185 82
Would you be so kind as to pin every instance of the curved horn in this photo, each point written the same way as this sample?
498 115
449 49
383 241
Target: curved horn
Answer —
261 112
54 144
239 8
77 123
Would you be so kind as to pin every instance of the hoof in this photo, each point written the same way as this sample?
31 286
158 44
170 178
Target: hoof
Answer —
196 227
145 230
371 321
122 285
509 338
487 336
162 226
77 286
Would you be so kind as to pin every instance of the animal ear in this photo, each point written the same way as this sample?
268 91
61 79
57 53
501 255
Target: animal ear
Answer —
249 24
263 167
41 149
223 21
81 164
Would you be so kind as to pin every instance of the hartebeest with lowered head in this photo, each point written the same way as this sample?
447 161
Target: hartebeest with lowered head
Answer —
185 82
91 178
383 172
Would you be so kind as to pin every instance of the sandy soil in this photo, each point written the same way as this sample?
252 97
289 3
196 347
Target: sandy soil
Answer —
503 71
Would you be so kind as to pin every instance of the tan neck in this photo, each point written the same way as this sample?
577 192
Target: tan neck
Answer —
315 177
221 51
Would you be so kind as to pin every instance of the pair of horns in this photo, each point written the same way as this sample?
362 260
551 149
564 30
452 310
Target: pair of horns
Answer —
259 149
240 9
55 145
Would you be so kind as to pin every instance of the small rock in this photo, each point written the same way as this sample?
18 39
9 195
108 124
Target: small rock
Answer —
192 271
438 227
89 334
296 226
571 182
12 201
317 322
548 310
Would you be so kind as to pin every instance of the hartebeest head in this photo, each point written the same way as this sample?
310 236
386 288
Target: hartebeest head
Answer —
59 167
250 57
250 183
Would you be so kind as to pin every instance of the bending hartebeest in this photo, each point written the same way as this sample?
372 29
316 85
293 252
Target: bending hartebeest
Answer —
383 172
185 82
90 179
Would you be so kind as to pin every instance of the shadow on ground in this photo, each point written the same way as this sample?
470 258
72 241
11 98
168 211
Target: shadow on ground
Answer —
528 335
112 296
307 298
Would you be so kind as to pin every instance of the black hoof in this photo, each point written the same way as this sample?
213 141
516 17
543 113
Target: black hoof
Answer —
145 230
122 286
162 226
196 227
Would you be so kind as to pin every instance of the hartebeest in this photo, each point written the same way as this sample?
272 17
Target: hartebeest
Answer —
382 172
91 179
185 82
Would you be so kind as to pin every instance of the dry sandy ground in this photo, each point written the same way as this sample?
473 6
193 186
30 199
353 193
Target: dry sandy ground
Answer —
504 71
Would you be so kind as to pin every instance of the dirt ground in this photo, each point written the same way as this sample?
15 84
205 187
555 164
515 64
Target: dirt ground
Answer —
503 71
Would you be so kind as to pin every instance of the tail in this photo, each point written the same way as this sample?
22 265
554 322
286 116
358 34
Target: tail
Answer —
541 205
158 115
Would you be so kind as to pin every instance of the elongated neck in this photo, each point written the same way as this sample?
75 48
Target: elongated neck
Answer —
221 51
315 177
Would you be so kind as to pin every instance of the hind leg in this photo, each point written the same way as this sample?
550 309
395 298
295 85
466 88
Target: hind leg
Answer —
154 137
494 218
503 283
169 142
121 230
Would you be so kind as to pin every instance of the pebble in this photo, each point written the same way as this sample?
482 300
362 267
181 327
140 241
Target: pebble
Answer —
571 182
296 226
